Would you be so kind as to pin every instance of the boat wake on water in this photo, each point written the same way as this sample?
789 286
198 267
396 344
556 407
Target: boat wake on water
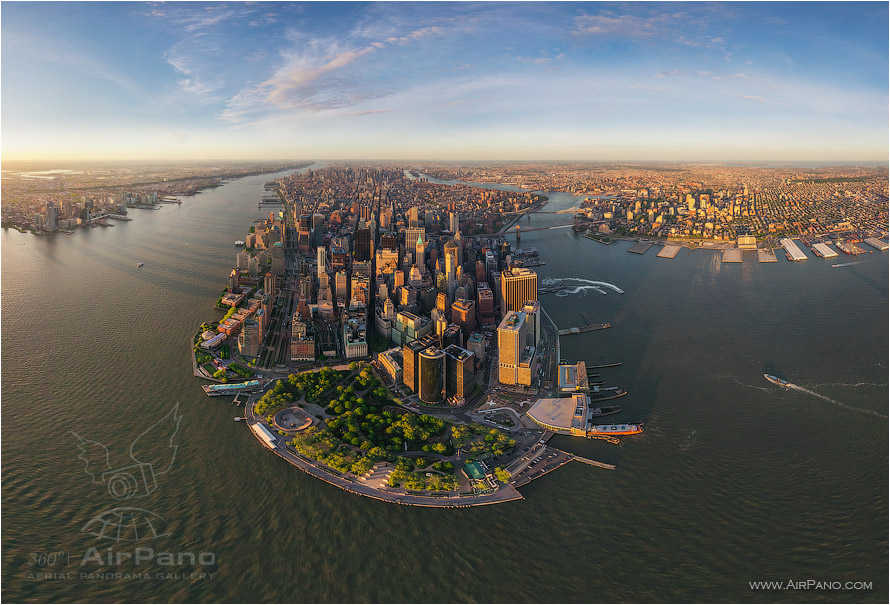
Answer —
578 289
852 384
583 285
859 262
836 402
788 385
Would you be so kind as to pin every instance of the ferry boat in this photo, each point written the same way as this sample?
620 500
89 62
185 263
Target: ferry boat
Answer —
239 243
614 429
777 380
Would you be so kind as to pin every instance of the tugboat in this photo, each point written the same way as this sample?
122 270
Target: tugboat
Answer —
776 380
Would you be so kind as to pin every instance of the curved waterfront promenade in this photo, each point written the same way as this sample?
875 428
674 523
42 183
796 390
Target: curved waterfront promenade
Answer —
506 493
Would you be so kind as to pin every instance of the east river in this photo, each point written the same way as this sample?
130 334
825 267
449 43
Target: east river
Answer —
734 481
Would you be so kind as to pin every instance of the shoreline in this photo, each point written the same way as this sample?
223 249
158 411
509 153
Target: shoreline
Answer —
506 491
222 180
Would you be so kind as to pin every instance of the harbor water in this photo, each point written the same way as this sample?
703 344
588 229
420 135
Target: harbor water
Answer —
734 480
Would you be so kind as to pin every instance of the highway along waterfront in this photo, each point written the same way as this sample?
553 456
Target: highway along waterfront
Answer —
734 479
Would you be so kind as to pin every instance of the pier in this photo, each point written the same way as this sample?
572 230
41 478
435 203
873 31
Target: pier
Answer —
876 243
641 247
791 250
669 251
596 463
551 289
589 326
824 251
766 255
732 255
583 329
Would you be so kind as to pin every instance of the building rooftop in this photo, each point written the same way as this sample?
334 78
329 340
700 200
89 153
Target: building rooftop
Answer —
528 354
512 320
573 378
457 352
560 414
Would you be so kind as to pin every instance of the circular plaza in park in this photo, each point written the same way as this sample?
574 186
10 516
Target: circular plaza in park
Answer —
292 419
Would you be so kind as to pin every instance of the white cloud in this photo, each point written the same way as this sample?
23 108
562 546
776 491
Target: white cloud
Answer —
629 26
311 78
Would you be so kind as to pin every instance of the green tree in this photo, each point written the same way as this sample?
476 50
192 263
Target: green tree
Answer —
501 475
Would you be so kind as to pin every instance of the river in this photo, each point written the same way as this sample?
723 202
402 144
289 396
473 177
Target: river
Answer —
735 480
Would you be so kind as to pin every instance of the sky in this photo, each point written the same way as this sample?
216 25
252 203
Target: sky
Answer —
603 81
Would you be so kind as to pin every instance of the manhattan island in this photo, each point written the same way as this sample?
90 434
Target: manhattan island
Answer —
388 341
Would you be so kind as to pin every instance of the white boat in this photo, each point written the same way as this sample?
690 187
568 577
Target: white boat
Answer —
140 264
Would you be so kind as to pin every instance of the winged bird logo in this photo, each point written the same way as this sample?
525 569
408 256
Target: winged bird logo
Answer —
152 458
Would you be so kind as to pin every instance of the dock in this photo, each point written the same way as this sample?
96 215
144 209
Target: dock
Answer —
604 465
641 247
669 251
824 251
876 243
583 329
766 255
732 255
791 250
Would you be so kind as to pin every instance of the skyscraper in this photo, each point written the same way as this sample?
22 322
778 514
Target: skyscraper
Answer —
321 261
341 285
459 372
419 252
486 304
463 313
512 337
431 381
361 250
249 338
453 222
269 285
532 310
451 259
52 216
518 285
411 236
411 363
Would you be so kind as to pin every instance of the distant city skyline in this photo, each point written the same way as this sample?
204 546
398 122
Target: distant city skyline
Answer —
445 81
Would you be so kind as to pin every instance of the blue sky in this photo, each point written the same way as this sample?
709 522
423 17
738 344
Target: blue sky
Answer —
513 81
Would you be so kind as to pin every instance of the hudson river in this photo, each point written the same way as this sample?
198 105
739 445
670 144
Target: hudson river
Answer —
734 481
